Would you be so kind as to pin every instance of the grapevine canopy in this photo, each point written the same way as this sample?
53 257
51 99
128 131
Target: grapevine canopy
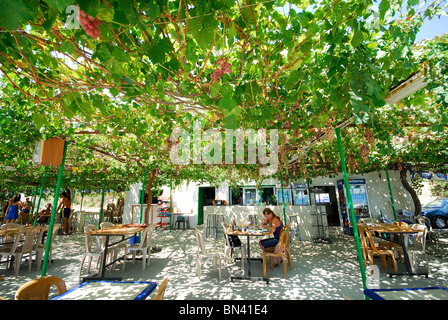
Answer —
117 84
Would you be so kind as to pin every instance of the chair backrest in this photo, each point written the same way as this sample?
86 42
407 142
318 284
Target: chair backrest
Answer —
161 290
31 238
88 238
368 220
226 237
287 231
147 236
106 224
420 238
200 240
39 289
362 237
370 244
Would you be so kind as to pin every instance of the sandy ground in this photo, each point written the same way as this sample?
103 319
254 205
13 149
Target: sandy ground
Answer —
320 271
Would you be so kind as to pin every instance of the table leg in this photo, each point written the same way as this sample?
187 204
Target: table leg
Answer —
249 276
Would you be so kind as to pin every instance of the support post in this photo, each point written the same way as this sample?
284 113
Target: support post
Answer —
40 197
171 204
53 213
102 203
351 211
142 199
283 198
391 194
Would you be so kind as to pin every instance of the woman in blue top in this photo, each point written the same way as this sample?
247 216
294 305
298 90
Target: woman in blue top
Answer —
13 210
273 222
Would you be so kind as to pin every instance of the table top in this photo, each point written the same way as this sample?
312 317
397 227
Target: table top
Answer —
430 293
119 230
388 228
109 290
14 231
250 232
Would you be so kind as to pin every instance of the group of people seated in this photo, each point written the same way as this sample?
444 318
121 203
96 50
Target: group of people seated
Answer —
16 211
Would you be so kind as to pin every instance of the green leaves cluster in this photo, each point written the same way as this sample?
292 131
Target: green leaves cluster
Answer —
301 66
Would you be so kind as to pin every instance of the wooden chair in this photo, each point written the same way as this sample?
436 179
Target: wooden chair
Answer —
282 253
39 289
371 249
161 291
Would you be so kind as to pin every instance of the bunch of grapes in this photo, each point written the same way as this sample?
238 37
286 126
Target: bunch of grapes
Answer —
223 67
365 152
89 24
368 135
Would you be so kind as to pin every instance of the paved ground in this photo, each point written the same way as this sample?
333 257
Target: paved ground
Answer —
320 271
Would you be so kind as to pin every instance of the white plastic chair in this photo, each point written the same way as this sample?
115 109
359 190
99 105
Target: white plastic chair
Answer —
228 248
93 249
17 250
115 248
419 247
202 252
144 246
7 226
40 247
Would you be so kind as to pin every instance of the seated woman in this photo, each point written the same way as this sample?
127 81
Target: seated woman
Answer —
273 222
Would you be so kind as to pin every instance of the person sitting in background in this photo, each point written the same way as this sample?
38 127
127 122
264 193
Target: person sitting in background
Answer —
44 215
272 222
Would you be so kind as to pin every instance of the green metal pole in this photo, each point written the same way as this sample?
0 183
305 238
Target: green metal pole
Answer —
53 212
352 212
283 197
391 194
40 197
102 203
171 186
142 200
34 202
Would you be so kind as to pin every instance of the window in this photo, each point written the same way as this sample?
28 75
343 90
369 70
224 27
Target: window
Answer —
301 197
286 195
250 197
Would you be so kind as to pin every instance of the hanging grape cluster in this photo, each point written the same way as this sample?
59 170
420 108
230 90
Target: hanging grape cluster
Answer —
365 152
89 24
223 67
368 135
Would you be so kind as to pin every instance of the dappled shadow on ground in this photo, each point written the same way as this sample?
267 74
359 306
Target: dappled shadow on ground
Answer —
320 271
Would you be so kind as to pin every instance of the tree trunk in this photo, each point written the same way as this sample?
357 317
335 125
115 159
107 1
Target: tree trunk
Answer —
408 187
149 200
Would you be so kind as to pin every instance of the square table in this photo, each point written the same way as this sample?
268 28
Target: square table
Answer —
384 228
109 290
249 233
429 293
129 230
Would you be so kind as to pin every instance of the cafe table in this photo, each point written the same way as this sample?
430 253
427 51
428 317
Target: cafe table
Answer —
429 293
248 233
125 231
401 231
109 290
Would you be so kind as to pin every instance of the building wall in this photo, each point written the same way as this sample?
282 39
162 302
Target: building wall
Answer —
185 198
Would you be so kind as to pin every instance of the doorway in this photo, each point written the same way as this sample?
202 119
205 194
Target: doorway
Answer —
206 195
331 205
